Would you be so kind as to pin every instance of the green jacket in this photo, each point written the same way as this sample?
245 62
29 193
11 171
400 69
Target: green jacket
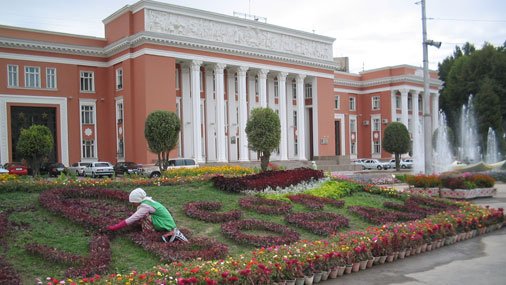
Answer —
161 218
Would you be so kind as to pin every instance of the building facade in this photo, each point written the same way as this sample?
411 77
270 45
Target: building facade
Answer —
211 70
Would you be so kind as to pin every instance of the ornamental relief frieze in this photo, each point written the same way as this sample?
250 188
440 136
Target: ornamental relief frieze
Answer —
224 33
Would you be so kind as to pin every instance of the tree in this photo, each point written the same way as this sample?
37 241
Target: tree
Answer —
264 133
488 109
34 144
396 140
161 131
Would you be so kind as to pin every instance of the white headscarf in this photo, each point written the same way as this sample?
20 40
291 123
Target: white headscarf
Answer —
138 195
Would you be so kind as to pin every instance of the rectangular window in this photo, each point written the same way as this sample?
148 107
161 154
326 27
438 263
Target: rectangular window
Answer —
397 102
336 103
276 88
294 90
51 78
410 103
87 81
120 112
376 125
352 104
32 77
88 148
12 76
420 105
309 91
377 147
236 84
121 148
119 78
295 128
256 85
353 125
375 102
201 81
353 148
87 114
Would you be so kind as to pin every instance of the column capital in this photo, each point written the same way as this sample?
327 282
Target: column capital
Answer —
282 75
404 92
300 77
195 64
241 70
262 73
219 67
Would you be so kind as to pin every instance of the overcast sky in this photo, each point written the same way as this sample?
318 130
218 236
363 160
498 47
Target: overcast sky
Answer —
372 33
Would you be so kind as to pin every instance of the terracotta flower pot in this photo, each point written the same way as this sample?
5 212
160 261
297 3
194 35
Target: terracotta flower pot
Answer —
356 266
348 269
370 262
383 258
340 270
363 264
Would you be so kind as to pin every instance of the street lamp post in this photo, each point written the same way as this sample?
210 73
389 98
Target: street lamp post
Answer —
427 120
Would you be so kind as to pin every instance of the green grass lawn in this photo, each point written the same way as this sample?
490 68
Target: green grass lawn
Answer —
35 224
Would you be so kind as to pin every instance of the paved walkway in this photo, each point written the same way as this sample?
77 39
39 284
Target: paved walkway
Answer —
480 260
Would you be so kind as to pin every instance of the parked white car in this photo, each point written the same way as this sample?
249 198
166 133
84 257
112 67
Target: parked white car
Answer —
153 171
375 164
406 163
99 169
78 168
3 170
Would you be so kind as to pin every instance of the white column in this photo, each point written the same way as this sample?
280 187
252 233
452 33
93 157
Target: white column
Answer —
220 114
210 116
435 110
232 116
283 148
415 117
251 91
187 132
243 113
262 87
195 93
290 122
393 108
301 134
404 107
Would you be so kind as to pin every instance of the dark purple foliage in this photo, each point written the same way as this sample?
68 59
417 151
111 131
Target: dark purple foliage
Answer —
265 206
320 223
315 202
261 181
234 230
207 211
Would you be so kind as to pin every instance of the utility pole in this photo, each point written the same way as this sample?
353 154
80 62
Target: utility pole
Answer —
427 120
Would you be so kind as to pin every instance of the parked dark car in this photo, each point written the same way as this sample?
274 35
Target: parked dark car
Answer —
52 168
127 167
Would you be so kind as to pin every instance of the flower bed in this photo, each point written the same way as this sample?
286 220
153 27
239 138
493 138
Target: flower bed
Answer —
468 193
379 217
266 179
320 223
234 230
265 206
82 205
207 211
233 170
314 202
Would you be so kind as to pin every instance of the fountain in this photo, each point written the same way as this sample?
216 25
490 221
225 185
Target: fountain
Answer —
418 151
493 155
469 151
442 155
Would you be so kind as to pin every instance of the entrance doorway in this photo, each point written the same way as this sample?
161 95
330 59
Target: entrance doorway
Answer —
23 117
338 137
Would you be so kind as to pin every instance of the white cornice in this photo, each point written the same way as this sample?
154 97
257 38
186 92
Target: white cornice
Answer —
51 47
178 55
160 39
385 80
383 89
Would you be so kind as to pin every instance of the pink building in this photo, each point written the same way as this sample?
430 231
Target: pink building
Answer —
211 69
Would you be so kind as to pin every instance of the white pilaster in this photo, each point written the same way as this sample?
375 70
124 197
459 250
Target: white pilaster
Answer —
316 150
243 113
220 114
393 108
187 137
404 107
262 87
232 116
195 94
415 117
290 121
301 134
283 148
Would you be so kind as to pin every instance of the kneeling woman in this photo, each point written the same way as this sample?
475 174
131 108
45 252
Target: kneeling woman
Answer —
153 215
